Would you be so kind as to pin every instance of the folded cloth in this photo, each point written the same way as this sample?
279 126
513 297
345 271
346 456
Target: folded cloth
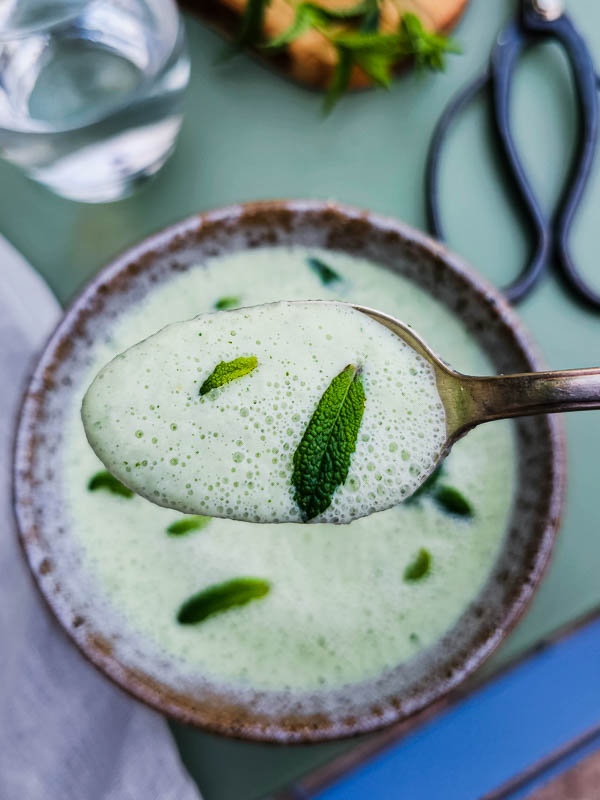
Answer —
66 732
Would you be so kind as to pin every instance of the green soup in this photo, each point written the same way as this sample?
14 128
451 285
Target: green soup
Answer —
346 603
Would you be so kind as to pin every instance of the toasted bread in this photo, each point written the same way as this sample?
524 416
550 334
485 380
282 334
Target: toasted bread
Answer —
311 58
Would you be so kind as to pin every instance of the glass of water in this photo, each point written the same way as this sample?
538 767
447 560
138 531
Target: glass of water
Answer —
90 91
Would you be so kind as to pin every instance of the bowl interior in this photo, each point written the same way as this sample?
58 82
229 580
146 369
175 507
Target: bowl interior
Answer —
539 483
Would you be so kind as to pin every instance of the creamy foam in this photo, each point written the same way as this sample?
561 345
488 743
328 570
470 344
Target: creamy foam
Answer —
229 452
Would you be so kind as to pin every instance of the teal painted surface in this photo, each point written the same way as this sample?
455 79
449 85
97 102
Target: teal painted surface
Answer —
248 134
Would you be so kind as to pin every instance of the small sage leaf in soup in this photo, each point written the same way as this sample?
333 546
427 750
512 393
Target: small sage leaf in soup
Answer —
221 597
452 501
194 522
228 371
322 459
223 303
104 480
419 567
324 271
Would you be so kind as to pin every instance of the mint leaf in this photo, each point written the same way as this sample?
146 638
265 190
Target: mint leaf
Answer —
340 79
453 501
378 53
312 15
370 21
427 49
339 14
228 371
221 597
308 15
194 522
343 69
419 567
251 23
104 480
323 270
227 302
378 66
322 459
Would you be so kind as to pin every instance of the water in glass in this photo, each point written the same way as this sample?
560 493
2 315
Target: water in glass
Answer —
90 92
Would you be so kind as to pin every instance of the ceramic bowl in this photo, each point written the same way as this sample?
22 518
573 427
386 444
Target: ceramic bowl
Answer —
539 482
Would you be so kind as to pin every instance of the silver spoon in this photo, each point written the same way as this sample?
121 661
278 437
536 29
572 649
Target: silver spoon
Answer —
469 400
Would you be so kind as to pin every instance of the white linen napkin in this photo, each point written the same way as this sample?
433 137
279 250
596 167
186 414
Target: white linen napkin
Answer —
66 732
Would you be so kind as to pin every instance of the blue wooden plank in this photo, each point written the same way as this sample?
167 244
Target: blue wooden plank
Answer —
496 733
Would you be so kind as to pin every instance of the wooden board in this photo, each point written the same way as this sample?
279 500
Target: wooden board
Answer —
310 59
581 782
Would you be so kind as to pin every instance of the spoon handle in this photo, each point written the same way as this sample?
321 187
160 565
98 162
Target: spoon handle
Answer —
497 397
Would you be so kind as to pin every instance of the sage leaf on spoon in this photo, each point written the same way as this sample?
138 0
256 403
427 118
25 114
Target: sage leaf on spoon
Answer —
223 303
228 371
322 459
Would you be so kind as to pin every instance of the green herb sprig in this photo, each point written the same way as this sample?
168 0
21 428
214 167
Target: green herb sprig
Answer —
354 34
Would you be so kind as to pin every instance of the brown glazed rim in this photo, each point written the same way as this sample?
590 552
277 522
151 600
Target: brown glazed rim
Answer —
212 711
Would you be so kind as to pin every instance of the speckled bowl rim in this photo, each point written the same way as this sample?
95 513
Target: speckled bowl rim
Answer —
214 715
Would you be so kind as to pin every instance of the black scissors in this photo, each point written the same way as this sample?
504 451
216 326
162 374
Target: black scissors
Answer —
537 20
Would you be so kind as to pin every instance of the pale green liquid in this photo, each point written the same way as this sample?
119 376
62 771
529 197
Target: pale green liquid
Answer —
339 610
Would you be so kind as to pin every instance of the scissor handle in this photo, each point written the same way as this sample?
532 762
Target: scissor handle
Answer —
510 43
585 80
432 171
508 47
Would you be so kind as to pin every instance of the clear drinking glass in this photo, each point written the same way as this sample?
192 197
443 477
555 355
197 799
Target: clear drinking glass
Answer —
90 91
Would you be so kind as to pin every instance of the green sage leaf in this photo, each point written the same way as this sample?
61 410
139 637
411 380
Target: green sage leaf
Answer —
312 15
194 522
324 271
104 480
427 49
224 303
453 501
419 567
340 79
221 597
322 459
228 371
308 15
